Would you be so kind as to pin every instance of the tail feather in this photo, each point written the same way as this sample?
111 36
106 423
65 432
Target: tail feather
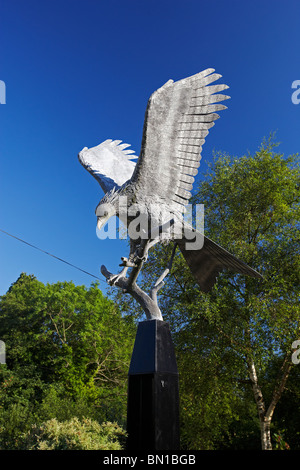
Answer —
206 263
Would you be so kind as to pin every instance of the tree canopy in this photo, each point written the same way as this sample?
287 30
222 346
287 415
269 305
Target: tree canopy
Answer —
67 354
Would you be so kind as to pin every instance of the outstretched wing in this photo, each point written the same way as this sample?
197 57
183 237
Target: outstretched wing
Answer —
178 118
109 163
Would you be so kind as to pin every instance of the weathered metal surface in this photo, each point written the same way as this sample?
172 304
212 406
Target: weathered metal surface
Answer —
178 118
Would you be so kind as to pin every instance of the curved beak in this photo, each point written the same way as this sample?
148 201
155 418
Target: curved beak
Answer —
101 221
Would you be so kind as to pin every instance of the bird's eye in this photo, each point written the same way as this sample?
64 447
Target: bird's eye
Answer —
101 212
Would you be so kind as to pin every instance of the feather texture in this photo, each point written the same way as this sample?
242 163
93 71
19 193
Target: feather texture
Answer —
206 264
109 163
178 118
177 121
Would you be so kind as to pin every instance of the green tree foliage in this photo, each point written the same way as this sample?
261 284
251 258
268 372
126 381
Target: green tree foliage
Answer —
67 354
234 344
74 434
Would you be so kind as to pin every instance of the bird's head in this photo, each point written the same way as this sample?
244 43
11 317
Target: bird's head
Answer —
104 211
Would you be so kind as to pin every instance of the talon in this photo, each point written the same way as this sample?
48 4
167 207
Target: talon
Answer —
137 258
127 263
114 279
141 258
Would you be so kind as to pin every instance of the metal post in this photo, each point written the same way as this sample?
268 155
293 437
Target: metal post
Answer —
153 390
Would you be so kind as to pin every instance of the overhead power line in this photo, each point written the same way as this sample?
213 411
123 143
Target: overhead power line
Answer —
50 254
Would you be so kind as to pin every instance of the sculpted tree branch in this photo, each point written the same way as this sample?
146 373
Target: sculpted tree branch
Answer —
149 302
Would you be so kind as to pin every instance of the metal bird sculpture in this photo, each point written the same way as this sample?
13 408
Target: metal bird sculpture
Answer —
177 120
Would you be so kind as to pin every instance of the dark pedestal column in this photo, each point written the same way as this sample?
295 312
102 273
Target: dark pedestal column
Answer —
153 390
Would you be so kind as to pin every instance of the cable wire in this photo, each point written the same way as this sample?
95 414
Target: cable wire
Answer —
50 254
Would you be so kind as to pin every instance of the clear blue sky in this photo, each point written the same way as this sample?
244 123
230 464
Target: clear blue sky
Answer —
80 71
